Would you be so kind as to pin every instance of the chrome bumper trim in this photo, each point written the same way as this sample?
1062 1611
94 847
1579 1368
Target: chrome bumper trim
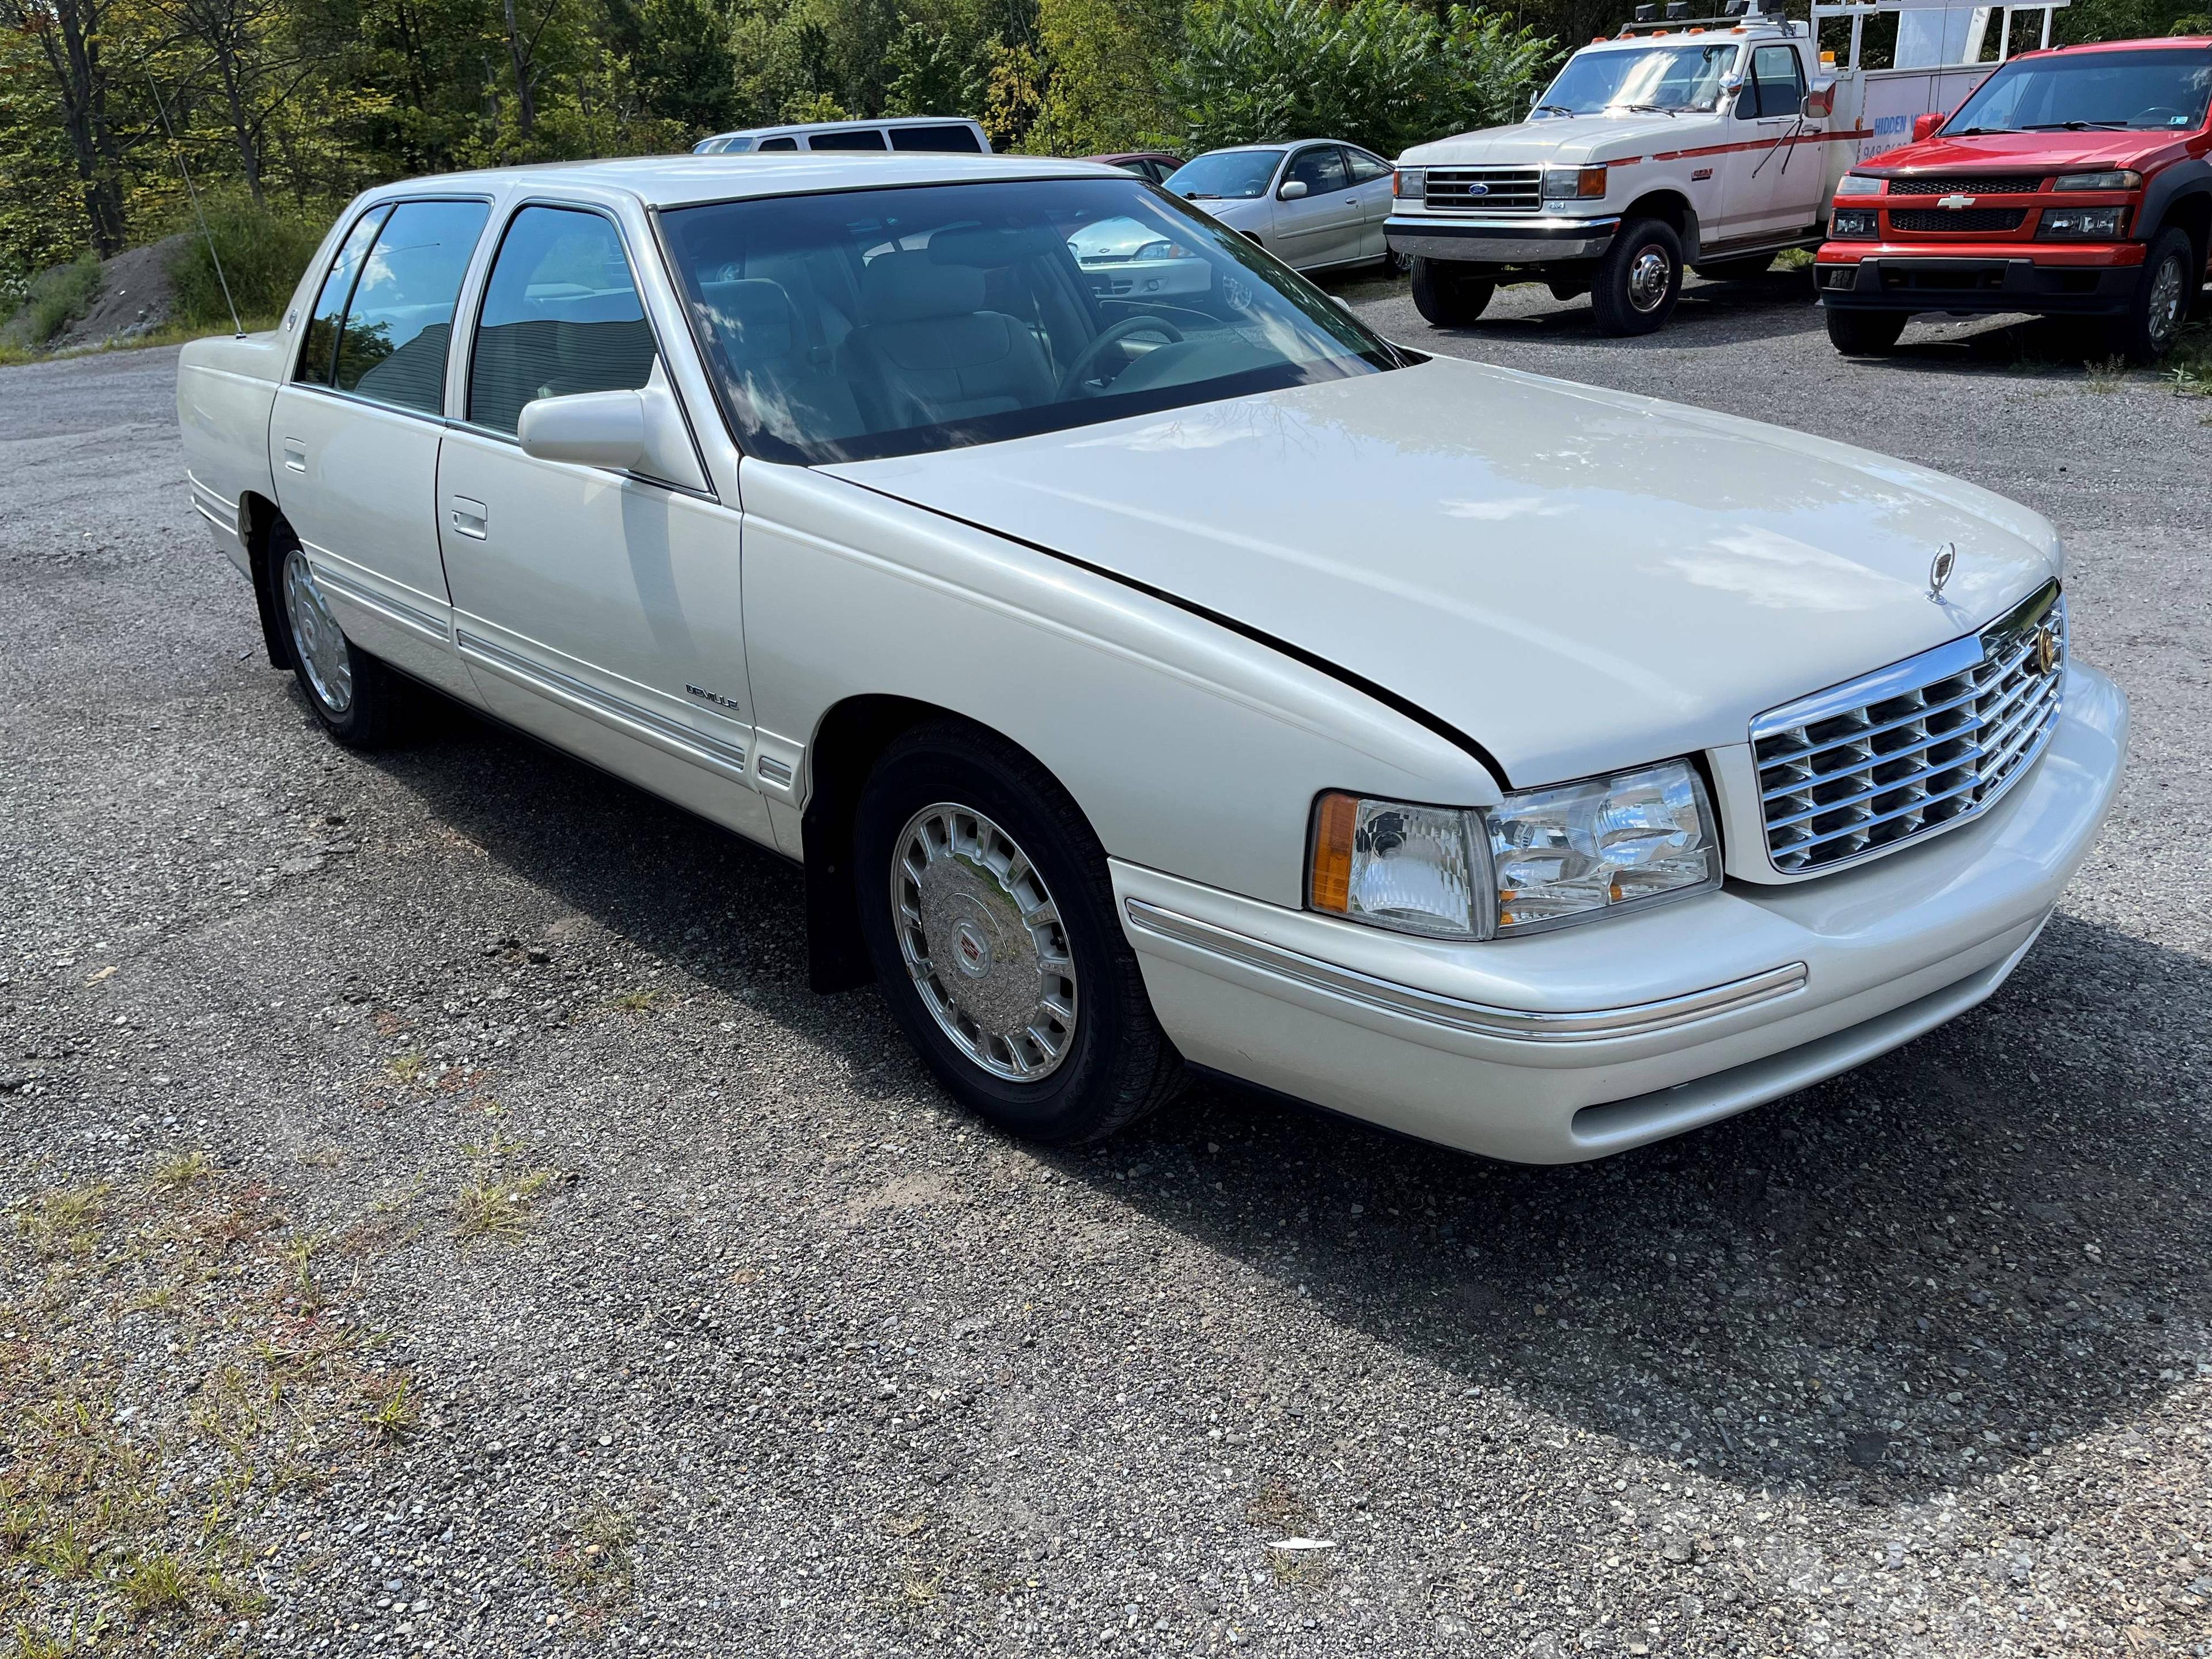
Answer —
1530 240
1480 1019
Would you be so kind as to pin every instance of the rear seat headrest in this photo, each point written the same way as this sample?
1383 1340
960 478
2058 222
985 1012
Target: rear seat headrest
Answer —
905 288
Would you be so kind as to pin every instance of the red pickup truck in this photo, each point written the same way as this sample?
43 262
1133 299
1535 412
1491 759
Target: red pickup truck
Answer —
2076 182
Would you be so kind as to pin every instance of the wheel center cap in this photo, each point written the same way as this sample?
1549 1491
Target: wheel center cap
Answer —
971 951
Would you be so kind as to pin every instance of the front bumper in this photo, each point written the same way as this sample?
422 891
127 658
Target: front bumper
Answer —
1522 241
2091 279
1575 1044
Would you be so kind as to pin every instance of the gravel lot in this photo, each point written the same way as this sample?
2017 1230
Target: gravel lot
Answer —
445 1223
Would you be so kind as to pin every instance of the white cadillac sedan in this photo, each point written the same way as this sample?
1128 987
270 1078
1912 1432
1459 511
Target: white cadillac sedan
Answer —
1151 681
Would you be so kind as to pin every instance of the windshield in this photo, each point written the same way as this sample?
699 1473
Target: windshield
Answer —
863 323
2165 89
1237 175
1661 78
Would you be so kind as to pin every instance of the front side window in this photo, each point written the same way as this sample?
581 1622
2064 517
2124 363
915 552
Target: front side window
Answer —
847 325
1775 87
1229 175
2163 88
1321 170
561 315
400 321
953 138
319 348
848 138
1661 78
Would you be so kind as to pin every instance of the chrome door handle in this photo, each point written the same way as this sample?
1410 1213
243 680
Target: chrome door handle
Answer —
470 518
295 455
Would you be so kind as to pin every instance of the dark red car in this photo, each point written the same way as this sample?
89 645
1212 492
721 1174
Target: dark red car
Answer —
2073 182
1152 164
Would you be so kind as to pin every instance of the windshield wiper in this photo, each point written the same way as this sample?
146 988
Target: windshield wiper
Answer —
1978 132
2074 126
1654 109
1554 109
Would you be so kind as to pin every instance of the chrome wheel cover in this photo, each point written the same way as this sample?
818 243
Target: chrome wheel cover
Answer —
1650 274
2164 321
984 943
324 657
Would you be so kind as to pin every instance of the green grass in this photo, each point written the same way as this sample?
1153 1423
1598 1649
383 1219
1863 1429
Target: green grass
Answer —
55 299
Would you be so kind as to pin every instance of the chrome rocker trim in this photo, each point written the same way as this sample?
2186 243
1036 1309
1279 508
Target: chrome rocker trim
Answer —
1477 1018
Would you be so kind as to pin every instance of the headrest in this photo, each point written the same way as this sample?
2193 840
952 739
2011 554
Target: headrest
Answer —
991 249
905 288
754 316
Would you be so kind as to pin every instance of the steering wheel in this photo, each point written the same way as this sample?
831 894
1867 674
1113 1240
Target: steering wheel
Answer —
1087 359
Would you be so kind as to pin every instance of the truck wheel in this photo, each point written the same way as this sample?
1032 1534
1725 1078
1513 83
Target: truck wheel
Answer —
2146 330
1447 295
1639 278
360 703
1736 271
989 915
1864 333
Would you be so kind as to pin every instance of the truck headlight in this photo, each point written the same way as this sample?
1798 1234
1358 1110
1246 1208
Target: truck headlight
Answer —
1854 224
1410 184
2099 224
1540 858
1573 184
2120 179
1861 184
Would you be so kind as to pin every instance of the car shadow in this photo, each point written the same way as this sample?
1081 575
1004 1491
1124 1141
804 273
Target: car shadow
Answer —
1775 306
1931 1269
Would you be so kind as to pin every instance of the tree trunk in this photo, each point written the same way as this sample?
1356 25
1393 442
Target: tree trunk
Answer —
69 33
526 105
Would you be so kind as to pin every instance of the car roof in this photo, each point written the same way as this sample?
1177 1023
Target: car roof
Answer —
854 121
680 180
2166 41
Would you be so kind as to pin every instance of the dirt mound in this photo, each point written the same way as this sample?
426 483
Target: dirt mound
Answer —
134 298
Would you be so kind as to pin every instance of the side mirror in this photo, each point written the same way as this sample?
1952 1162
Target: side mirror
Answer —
1291 191
1924 126
640 432
1819 103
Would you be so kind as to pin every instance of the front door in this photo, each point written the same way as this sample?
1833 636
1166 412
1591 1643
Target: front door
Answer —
355 434
1321 226
1773 184
596 608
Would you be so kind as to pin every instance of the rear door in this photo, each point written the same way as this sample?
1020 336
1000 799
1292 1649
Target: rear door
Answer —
1321 227
1370 187
355 435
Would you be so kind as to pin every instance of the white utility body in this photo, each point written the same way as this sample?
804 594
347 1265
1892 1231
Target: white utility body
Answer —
1712 143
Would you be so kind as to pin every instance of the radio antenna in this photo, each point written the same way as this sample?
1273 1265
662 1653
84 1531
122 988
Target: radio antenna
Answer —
198 212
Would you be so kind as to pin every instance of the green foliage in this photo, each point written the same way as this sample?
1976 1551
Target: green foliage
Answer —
55 299
2125 20
1106 86
931 72
1378 72
263 250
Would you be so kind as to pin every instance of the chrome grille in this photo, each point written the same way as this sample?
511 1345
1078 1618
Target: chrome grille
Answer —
2014 186
1869 765
1486 190
1920 221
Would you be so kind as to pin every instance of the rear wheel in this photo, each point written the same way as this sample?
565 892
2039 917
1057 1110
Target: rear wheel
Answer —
1736 271
1639 278
2164 293
989 917
1447 295
360 703
1863 333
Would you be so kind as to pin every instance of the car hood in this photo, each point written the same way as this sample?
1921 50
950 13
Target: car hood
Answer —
1580 580
2017 151
1565 139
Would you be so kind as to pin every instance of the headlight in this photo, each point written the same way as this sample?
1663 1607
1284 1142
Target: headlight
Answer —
1542 858
1410 184
1854 224
2102 224
1860 184
2121 180
1572 184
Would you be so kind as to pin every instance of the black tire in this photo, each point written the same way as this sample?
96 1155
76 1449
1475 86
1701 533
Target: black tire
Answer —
1115 1064
1639 278
1864 333
2162 302
1394 262
1752 265
360 703
1446 295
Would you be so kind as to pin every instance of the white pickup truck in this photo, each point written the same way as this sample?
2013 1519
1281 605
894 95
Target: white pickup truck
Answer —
1711 144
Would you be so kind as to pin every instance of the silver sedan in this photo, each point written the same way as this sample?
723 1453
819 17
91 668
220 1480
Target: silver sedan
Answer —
1313 203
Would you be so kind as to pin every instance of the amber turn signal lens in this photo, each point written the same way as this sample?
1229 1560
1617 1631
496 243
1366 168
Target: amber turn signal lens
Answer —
1335 819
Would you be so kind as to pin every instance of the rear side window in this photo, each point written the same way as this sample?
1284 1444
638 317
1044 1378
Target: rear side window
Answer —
561 315
953 138
779 143
399 323
1365 167
850 139
321 344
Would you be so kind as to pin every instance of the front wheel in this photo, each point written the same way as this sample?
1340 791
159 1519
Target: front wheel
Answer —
1638 279
989 917
1863 333
2161 301
360 702
1446 295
